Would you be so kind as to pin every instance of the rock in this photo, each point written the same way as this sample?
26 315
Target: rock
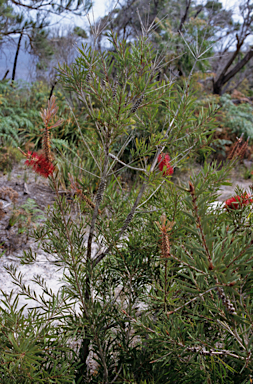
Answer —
248 164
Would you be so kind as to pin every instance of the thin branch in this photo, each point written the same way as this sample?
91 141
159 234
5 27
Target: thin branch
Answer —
152 194
121 151
188 265
126 165
84 141
190 301
226 326
82 169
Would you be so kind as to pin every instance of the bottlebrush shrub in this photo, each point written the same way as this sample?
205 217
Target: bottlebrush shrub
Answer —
237 202
121 297
164 164
40 164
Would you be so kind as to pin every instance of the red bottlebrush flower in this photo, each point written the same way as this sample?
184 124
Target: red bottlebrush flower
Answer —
237 201
39 164
164 161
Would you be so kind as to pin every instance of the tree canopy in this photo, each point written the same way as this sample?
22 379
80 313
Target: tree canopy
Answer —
182 27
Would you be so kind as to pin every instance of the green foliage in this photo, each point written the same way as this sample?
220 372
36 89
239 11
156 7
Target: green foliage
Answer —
209 249
9 156
12 116
16 118
29 350
80 32
238 118
21 123
26 215
41 48
173 45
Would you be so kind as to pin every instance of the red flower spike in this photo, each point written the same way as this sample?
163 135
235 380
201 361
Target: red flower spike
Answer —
39 164
237 201
164 162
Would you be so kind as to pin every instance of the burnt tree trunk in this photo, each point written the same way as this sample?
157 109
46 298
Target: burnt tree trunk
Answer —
183 19
16 57
52 89
227 74
5 75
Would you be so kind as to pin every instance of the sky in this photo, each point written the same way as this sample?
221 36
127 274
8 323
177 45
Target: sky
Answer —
25 67
100 8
